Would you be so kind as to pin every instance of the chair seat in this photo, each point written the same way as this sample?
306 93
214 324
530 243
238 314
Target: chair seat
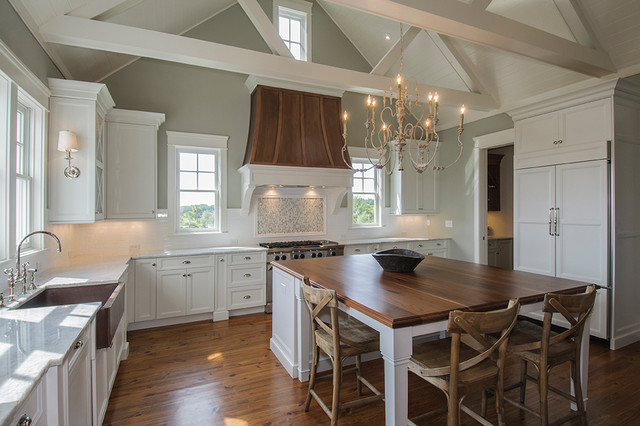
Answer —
355 338
437 354
526 332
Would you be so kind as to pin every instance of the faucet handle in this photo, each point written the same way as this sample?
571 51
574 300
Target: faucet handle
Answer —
31 278
8 271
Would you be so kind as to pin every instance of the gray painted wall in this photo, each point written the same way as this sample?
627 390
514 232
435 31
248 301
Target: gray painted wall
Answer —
457 188
15 34
202 100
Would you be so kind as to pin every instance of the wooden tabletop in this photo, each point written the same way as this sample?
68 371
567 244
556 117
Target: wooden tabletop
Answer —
427 294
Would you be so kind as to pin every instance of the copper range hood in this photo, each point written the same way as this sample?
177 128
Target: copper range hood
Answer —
295 140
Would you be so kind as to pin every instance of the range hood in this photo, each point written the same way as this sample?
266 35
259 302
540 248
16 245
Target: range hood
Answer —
295 139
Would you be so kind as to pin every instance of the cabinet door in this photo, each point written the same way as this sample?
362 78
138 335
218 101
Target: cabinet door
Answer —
79 386
537 133
171 293
582 202
200 290
413 192
587 123
534 199
131 172
144 290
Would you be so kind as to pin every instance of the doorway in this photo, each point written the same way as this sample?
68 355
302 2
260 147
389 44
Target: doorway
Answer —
482 144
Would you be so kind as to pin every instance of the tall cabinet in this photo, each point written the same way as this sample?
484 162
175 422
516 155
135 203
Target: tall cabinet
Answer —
576 198
80 107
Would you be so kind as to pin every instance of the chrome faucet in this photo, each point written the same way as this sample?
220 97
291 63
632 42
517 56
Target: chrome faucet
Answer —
21 273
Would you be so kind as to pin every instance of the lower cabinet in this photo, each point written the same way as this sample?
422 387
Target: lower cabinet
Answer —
106 368
75 383
144 292
500 253
184 292
439 248
34 408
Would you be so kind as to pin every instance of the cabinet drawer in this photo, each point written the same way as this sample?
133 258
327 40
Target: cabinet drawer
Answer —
183 262
247 275
246 297
33 406
428 245
357 249
244 258
81 345
397 244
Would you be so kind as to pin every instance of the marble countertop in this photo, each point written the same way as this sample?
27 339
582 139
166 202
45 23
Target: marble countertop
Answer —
393 240
32 341
200 251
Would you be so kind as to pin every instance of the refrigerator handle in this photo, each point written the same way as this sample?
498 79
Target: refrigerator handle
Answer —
556 220
551 210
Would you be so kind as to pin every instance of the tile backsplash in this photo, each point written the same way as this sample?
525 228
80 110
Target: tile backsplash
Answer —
290 215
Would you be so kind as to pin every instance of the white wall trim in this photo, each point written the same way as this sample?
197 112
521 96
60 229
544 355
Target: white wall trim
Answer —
17 71
135 117
202 140
253 81
481 145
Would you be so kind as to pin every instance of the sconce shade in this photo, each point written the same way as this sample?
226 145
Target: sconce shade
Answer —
67 141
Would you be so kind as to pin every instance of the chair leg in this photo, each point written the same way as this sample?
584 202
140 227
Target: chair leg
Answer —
337 381
523 380
543 388
483 406
577 384
499 404
312 379
358 374
453 409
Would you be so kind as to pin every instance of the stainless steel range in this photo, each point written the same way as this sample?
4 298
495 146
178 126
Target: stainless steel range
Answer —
292 250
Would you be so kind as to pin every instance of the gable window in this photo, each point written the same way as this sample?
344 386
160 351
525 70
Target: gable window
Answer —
293 19
365 194
197 170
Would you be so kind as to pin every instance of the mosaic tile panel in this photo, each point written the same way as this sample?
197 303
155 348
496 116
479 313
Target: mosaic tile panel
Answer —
290 216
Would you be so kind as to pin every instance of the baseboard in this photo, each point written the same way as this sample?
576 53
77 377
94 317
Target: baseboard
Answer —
246 311
169 321
124 354
220 316
284 361
628 336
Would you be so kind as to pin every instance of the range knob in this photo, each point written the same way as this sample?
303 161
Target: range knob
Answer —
333 253
319 254
302 256
313 255
295 256
276 258
284 257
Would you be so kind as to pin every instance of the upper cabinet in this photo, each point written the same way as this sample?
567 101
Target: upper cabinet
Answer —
132 138
570 134
79 107
413 192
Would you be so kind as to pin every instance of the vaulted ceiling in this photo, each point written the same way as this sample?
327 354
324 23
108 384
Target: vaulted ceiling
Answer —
491 55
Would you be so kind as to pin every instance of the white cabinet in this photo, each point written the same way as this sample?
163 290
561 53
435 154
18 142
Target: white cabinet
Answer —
34 406
568 135
75 384
500 253
413 192
184 286
561 226
106 368
439 248
132 139
360 249
246 281
144 290
79 107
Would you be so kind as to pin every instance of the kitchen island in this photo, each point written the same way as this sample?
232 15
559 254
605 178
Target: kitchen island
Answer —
400 306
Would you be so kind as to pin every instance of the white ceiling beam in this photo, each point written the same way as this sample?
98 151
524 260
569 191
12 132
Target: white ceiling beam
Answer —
111 37
265 27
578 23
459 62
392 56
466 22
103 9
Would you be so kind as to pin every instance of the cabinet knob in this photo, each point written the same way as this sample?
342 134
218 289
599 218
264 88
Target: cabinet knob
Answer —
357 250
419 245
560 141
186 262
221 260
153 264
188 275
153 212
184 275
247 258
24 421
438 244
247 275
79 344
246 297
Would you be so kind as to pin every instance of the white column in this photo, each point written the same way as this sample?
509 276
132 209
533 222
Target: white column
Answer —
395 345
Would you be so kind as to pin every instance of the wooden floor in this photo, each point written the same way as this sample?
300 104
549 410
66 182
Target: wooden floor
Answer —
224 374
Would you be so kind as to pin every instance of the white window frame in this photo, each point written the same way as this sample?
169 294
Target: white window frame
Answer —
203 144
360 154
296 9
13 97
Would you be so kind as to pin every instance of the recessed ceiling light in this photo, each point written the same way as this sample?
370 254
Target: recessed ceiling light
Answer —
387 36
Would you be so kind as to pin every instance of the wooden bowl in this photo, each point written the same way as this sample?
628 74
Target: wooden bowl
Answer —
398 260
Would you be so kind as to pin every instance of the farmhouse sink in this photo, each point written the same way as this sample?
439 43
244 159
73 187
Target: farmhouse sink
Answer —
111 296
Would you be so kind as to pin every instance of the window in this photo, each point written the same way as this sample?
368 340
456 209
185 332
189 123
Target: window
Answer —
197 165
23 177
293 19
365 194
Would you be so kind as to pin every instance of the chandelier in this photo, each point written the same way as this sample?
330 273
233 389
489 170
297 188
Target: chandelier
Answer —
404 126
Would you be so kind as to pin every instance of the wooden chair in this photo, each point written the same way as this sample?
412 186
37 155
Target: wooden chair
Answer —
339 338
546 349
459 368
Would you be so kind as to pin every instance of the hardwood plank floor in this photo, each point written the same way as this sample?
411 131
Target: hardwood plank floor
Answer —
224 374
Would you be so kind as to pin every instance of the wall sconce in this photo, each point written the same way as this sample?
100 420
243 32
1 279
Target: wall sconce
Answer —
68 142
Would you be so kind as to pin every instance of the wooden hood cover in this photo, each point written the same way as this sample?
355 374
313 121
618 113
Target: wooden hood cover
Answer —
291 128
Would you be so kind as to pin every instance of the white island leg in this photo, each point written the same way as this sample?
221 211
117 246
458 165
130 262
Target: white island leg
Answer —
396 348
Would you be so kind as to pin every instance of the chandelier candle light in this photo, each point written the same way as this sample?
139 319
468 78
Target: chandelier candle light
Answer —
420 138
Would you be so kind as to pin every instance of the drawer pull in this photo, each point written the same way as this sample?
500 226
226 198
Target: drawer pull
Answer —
79 344
438 244
24 420
221 260
186 262
357 250
420 245
246 297
247 258
247 275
